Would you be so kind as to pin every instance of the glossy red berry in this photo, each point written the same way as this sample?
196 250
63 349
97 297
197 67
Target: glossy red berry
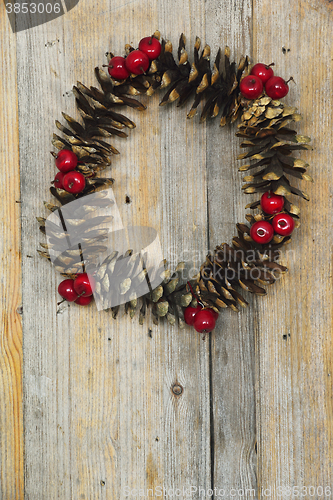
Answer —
74 182
150 46
190 313
276 87
251 87
263 72
83 300
204 321
66 290
262 232
58 180
215 314
283 224
66 160
271 203
117 68
84 284
137 62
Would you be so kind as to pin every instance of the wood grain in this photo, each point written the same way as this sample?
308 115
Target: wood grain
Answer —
254 411
232 345
11 414
294 323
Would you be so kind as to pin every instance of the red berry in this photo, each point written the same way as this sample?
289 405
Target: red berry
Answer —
215 314
276 87
271 203
204 321
74 182
117 68
84 300
58 180
190 313
283 224
263 72
66 290
150 46
251 87
262 232
66 160
137 62
84 284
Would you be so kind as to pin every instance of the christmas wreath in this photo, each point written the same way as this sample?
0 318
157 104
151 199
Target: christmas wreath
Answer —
227 89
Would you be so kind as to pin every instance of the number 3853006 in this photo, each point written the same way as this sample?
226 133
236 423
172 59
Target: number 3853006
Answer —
33 8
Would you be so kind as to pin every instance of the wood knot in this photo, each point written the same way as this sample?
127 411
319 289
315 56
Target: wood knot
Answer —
177 389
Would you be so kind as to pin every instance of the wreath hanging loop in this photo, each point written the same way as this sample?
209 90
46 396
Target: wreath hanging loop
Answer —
224 89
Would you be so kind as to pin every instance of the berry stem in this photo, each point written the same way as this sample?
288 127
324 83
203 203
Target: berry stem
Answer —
195 295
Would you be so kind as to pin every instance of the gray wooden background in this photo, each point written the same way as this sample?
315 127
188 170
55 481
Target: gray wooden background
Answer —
87 403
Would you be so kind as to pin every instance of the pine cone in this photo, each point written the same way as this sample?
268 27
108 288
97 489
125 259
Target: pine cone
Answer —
218 88
86 141
120 278
75 239
243 265
271 144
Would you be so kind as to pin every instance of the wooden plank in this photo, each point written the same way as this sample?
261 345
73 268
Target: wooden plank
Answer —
294 328
100 413
232 346
11 415
46 334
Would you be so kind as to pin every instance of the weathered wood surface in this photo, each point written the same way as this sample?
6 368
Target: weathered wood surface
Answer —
99 411
11 412
232 342
294 323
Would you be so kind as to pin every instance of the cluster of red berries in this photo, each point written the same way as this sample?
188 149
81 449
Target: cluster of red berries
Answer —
137 62
261 76
68 178
79 290
201 318
282 223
